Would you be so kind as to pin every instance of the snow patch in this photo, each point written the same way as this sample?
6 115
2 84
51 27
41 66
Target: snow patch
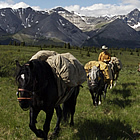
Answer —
2 15
136 25
29 25
61 12
61 22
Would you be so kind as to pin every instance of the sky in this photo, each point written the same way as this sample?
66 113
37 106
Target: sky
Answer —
83 7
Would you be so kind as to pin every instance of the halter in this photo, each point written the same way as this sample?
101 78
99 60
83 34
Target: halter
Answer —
30 92
24 98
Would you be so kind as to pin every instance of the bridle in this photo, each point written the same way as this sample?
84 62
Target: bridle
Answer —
31 93
24 98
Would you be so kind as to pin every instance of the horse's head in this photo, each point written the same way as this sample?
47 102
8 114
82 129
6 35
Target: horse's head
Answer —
94 77
26 82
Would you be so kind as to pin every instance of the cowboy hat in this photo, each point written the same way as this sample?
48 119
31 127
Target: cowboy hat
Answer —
104 47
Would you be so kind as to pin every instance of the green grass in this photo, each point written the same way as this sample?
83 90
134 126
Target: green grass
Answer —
117 118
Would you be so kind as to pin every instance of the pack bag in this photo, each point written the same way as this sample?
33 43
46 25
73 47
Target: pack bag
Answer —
117 62
43 55
68 71
103 66
68 68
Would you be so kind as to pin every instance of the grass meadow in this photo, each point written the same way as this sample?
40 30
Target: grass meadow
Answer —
117 118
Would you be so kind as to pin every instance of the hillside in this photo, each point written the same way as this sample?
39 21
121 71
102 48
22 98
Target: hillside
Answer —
115 34
55 26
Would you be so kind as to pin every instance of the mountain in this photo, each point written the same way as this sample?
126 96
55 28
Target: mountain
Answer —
88 23
9 21
2 32
12 20
84 23
133 19
115 34
34 26
58 26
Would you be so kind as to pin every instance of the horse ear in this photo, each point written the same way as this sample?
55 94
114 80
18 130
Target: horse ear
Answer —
17 63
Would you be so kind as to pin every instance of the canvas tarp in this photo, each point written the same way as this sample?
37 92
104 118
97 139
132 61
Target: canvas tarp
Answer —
103 66
43 55
69 72
68 68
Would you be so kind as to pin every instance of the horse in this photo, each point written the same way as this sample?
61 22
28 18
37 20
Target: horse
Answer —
96 84
37 90
116 66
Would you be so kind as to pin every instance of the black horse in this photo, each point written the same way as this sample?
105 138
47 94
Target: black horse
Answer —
96 84
37 90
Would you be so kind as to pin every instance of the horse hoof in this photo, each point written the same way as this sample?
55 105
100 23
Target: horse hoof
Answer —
99 102
40 133
71 124
54 135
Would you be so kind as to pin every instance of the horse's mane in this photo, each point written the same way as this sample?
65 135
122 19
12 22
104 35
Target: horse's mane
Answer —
41 69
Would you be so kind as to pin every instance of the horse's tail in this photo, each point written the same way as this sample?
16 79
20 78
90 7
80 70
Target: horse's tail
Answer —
69 105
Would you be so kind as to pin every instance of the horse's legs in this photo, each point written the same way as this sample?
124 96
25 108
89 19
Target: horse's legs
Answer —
69 106
46 127
73 104
116 77
92 95
100 97
59 118
33 116
105 89
72 110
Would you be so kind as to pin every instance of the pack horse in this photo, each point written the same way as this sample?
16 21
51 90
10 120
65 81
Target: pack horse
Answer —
96 81
116 66
38 90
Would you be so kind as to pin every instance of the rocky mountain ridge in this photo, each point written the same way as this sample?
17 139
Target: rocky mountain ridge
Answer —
38 27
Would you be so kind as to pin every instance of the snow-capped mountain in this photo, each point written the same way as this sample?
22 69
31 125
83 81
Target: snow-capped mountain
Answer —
12 20
115 34
88 23
30 26
39 24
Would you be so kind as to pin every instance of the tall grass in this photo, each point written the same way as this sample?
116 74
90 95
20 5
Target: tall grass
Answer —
117 118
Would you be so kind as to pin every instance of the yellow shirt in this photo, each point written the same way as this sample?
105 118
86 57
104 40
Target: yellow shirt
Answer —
104 57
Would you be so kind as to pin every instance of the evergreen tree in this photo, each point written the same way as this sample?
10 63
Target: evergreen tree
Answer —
68 45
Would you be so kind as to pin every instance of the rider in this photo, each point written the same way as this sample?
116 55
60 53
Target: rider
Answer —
106 57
